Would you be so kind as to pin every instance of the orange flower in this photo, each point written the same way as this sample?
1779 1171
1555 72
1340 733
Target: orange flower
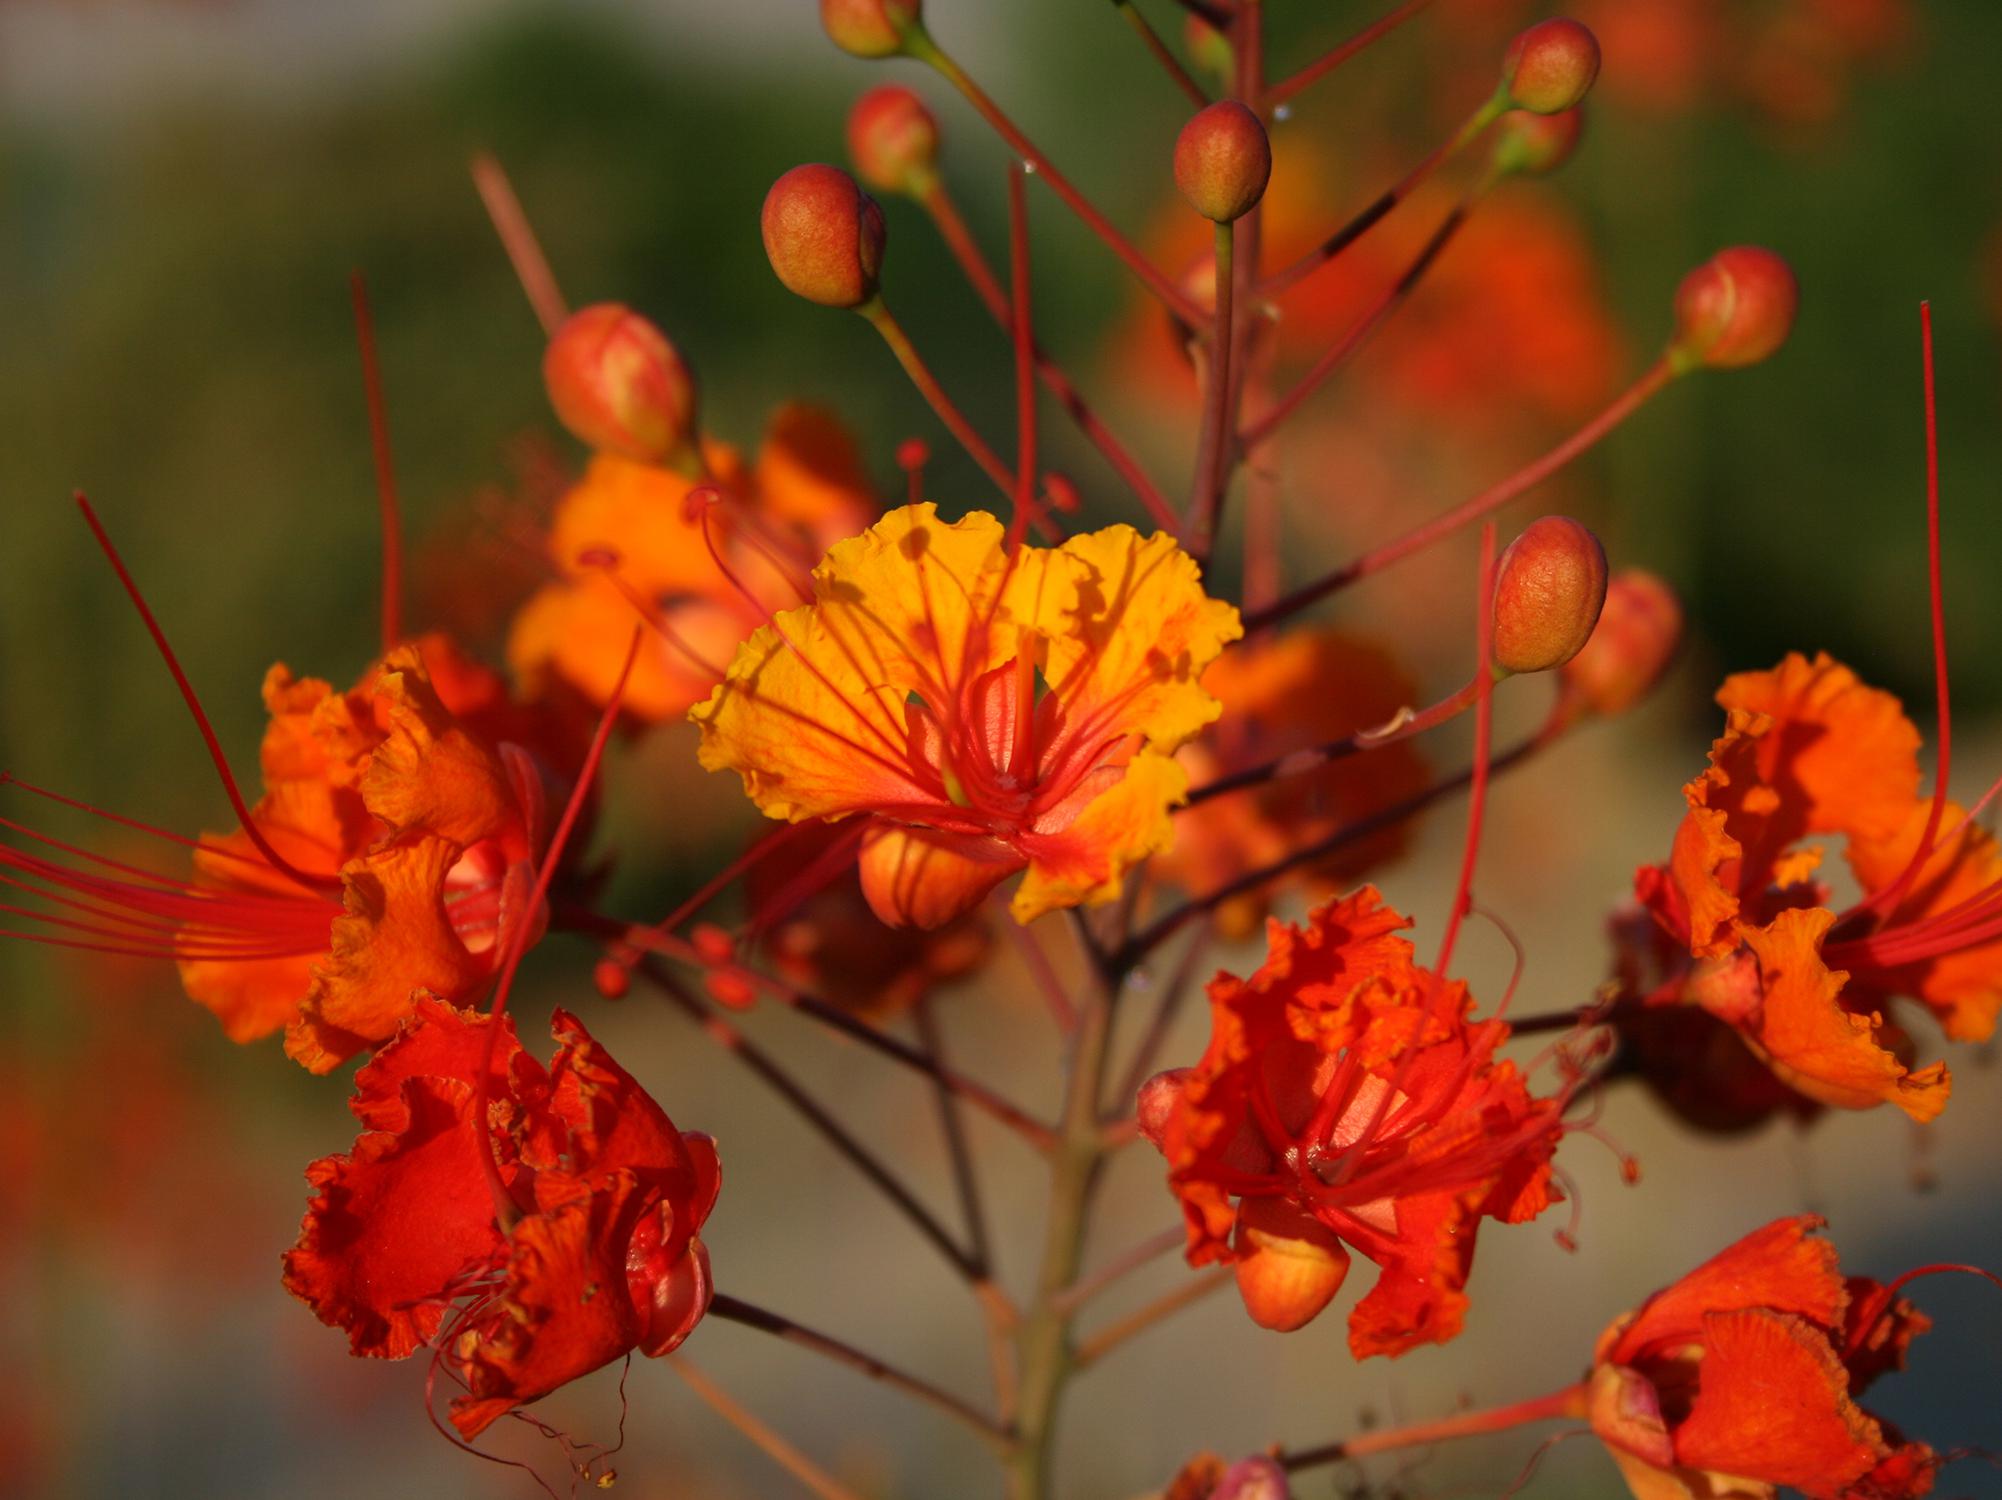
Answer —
1741 1377
1346 1099
907 691
408 834
400 1244
1282 694
1808 749
805 491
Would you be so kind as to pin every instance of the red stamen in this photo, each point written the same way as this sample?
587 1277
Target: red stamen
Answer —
1025 357
8 778
1484 721
912 456
385 467
1887 897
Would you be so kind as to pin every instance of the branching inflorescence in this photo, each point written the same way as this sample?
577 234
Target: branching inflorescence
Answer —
939 702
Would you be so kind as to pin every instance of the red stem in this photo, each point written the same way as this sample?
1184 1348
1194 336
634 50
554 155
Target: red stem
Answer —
1569 1402
1023 326
391 511
1523 480
952 229
1332 59
923 48
1191 90
531 267
1484 722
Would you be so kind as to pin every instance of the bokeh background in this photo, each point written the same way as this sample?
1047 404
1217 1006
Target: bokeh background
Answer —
184 188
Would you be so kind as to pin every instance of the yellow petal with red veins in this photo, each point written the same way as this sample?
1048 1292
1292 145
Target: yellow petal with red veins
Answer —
1130 635
812 713
1087 861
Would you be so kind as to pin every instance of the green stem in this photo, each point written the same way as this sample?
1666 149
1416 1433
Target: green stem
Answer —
1047 1352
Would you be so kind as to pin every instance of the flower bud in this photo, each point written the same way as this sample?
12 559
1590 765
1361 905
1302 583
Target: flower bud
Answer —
1289 1266
1533 145
611 979
1222 161
1157 1100
893 141
729 988
824 236
1550 67
1632 645
1734 310
618 385
870 28
1549 589
1252 1479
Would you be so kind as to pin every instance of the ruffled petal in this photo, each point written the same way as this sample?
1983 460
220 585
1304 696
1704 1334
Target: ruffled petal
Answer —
395 939
428 774
1772 1399
1815 1044
1781 1266
395 1225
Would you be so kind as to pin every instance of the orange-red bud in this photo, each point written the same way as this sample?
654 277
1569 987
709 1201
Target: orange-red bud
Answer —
1533 145
893 141
824 236
1549 589
1735 309
870 28
1223 161
619 385
727 987
1636 638
1157 1100
611 978
1289 1266
713 944
1550 67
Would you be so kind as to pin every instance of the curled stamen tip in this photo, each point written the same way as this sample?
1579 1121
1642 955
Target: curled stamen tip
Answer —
912 453
696 503
611 979
1061 493
1566 1241
599 556
1630 1170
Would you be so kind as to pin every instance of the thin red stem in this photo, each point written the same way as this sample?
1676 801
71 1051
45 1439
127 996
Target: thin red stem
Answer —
1214 446
1521 482
1569 1402
230 789
1170 64
1484 722
387 504
531 267
1888 896
973 265
1372 317
1332 59
922 47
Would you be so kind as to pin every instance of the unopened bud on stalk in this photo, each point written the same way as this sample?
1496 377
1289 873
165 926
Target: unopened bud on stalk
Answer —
1289 1266
1223 161
824 236
893 141
1252 1479
1735 309
1550 67
1157 1100
619 385
1533 145
1636 638
611 979
1549 589
871 28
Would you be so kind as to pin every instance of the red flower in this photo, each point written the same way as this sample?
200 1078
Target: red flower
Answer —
400 1244
1346 1099
1741 1377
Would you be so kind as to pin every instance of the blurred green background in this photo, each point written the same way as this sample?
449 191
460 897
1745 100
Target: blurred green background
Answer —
184 189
